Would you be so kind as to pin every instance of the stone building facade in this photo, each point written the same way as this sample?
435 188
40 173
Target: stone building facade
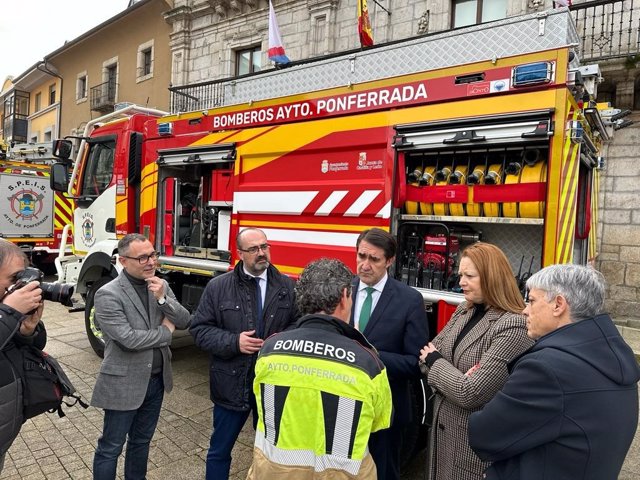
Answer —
207 34
619 226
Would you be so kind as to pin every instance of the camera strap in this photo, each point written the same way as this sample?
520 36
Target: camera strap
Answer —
15 330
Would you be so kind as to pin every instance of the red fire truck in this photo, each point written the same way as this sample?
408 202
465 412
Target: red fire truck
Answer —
35 215
489 132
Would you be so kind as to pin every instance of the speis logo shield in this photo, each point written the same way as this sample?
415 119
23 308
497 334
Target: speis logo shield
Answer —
324 166
26 204
88 237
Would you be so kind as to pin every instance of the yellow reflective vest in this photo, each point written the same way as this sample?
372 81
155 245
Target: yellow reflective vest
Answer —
321 389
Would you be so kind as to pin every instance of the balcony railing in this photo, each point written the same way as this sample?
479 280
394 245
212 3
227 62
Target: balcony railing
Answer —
607 29
103 97
198 96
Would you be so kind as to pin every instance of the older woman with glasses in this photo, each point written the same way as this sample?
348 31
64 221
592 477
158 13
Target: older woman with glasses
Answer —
466 364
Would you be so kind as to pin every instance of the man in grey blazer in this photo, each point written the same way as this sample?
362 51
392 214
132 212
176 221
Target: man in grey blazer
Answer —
137 313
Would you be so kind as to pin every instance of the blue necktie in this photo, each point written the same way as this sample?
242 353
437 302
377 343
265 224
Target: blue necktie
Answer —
259 326
365 312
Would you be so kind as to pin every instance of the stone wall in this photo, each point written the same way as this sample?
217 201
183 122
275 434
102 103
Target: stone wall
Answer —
619 258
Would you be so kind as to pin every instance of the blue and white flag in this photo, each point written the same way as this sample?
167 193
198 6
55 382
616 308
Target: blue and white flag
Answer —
276 50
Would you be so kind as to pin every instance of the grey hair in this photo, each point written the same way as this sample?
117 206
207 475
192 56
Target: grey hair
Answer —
127 240
9 250
582 287
321 284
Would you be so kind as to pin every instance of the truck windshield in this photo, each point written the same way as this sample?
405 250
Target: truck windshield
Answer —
99 169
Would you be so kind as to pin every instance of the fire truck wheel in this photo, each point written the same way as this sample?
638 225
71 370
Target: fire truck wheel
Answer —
416 434
93 331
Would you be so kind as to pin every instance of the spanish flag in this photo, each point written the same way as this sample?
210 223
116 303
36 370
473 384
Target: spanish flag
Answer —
364 25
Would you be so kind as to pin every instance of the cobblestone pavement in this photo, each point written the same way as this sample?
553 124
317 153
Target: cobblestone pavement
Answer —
54 448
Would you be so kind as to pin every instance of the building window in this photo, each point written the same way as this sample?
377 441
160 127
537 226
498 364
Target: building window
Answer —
47 136
248 61
37 102
111 73
81 87
145 61
33 138
52 94
470 12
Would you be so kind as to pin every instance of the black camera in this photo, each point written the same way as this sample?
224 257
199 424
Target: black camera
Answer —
55 292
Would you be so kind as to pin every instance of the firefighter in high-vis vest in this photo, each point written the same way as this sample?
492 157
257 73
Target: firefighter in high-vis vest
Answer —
321 388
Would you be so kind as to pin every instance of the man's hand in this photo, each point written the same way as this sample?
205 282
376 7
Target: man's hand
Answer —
248 343
29 324
25 299
167 323
156 286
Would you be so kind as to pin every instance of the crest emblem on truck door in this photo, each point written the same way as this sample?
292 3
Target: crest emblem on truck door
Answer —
26 204
87 230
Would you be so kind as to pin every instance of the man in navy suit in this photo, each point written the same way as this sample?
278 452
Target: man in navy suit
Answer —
392 317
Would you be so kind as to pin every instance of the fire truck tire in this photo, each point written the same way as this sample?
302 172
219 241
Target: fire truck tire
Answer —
93 331
416 435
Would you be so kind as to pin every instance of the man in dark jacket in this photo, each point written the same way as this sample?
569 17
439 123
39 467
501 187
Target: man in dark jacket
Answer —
237 311
392 317
17 326
570 407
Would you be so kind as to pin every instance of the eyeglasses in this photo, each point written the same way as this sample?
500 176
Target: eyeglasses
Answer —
144 258
253 250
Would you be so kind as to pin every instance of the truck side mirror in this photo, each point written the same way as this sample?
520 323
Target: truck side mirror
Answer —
59 179
62 149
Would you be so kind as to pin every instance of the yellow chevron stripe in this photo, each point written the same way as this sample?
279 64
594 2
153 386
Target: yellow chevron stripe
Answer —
568 198
63 207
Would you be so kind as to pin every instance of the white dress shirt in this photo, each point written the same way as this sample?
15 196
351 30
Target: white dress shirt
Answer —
362 294
263 283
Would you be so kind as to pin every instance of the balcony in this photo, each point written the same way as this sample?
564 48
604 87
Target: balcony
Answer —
103 97
197 96
607 29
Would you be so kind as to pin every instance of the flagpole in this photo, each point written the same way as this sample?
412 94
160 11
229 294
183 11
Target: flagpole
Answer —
377 3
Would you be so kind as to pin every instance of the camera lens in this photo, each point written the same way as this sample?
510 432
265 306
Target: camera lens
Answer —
57 292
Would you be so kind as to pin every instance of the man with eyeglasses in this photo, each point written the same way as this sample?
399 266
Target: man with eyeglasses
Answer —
237 311
137 313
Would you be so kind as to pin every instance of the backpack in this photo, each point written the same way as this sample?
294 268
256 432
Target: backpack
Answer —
45 384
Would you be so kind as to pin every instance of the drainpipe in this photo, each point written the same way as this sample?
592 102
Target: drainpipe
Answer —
44 68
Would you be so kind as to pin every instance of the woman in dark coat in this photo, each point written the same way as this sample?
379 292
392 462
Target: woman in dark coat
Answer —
466 364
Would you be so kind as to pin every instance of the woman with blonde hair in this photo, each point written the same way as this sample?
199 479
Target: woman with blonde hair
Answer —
466 364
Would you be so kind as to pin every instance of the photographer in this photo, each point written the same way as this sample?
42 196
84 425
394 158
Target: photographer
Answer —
17 326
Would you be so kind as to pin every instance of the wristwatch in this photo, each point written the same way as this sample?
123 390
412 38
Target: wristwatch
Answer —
162 301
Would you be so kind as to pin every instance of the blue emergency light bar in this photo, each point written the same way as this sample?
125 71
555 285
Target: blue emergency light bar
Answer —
532 74
165 128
